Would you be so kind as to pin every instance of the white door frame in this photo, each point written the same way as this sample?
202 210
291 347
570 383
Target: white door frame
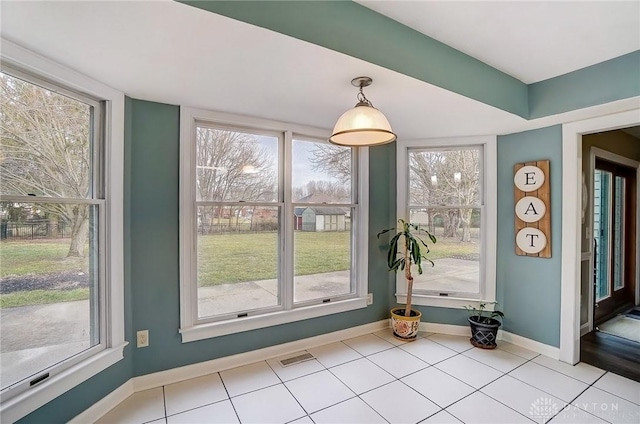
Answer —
571 223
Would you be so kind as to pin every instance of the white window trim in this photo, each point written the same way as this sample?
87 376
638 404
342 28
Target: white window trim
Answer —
189 328
490 217
16 407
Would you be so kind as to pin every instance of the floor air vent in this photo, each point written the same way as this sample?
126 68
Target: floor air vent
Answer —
296 359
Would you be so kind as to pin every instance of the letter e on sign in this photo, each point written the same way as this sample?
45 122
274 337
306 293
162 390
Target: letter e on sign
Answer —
529 178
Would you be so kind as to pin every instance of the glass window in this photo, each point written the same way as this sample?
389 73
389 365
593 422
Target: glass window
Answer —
238 257
50 247
61 230
448 186
235 166
321 173
445 197
275 224
51 230
322 242
238 236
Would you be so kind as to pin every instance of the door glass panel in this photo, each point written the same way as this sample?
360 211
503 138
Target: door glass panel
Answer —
618 234
49 293
237 259
601 231
322 253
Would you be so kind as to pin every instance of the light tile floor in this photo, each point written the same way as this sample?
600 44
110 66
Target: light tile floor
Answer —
378 379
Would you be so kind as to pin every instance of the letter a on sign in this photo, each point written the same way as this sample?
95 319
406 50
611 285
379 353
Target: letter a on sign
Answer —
530 209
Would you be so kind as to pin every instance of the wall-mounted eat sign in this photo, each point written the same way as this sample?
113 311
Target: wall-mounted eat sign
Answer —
533 209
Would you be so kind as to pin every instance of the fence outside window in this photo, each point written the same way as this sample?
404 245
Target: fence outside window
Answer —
36 229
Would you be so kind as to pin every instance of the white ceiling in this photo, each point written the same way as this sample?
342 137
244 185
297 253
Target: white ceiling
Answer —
529 40
172 53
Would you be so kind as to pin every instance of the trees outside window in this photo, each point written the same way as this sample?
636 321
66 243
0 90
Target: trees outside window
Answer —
48 151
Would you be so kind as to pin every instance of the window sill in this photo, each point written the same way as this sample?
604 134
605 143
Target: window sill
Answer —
19 406
215 329
443 301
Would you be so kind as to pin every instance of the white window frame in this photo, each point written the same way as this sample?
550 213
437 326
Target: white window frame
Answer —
191 328
18 400
488 218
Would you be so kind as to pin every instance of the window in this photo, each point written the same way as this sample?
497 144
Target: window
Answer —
273 224
61 288
448 186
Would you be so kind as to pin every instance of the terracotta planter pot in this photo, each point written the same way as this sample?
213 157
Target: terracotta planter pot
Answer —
484 334
405 328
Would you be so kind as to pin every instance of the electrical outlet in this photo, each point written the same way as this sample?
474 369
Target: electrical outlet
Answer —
143 338
370 299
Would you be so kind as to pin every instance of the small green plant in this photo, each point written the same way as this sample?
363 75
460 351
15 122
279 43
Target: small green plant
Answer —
413 250
482 315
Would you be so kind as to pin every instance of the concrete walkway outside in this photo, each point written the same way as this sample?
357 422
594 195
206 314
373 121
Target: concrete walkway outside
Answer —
36 337
228 298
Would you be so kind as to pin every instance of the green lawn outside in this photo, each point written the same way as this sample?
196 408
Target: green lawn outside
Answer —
37 257
231 258
40 297
222 258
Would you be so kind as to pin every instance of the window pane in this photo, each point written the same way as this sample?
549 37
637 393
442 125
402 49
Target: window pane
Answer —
445 177
456 254
618 235
48 285
237 259
322 250
321 173
236 166
601 231
46 142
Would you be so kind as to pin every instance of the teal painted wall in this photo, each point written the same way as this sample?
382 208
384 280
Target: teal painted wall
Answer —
604 82
352 29
154 252
528 289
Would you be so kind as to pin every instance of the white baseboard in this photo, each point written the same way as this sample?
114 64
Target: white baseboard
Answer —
541 348
175 375
104 405
464 330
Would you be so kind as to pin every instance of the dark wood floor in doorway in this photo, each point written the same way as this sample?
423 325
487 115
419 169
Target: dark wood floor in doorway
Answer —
611 353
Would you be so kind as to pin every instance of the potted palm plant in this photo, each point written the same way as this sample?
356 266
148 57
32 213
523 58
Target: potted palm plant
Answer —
484 325
406 248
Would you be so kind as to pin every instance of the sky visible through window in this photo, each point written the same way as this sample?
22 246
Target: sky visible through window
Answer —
303 171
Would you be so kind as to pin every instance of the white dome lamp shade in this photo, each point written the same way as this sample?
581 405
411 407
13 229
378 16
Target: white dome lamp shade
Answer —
364 125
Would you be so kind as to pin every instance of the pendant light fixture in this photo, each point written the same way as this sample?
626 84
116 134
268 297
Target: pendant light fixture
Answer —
364 125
